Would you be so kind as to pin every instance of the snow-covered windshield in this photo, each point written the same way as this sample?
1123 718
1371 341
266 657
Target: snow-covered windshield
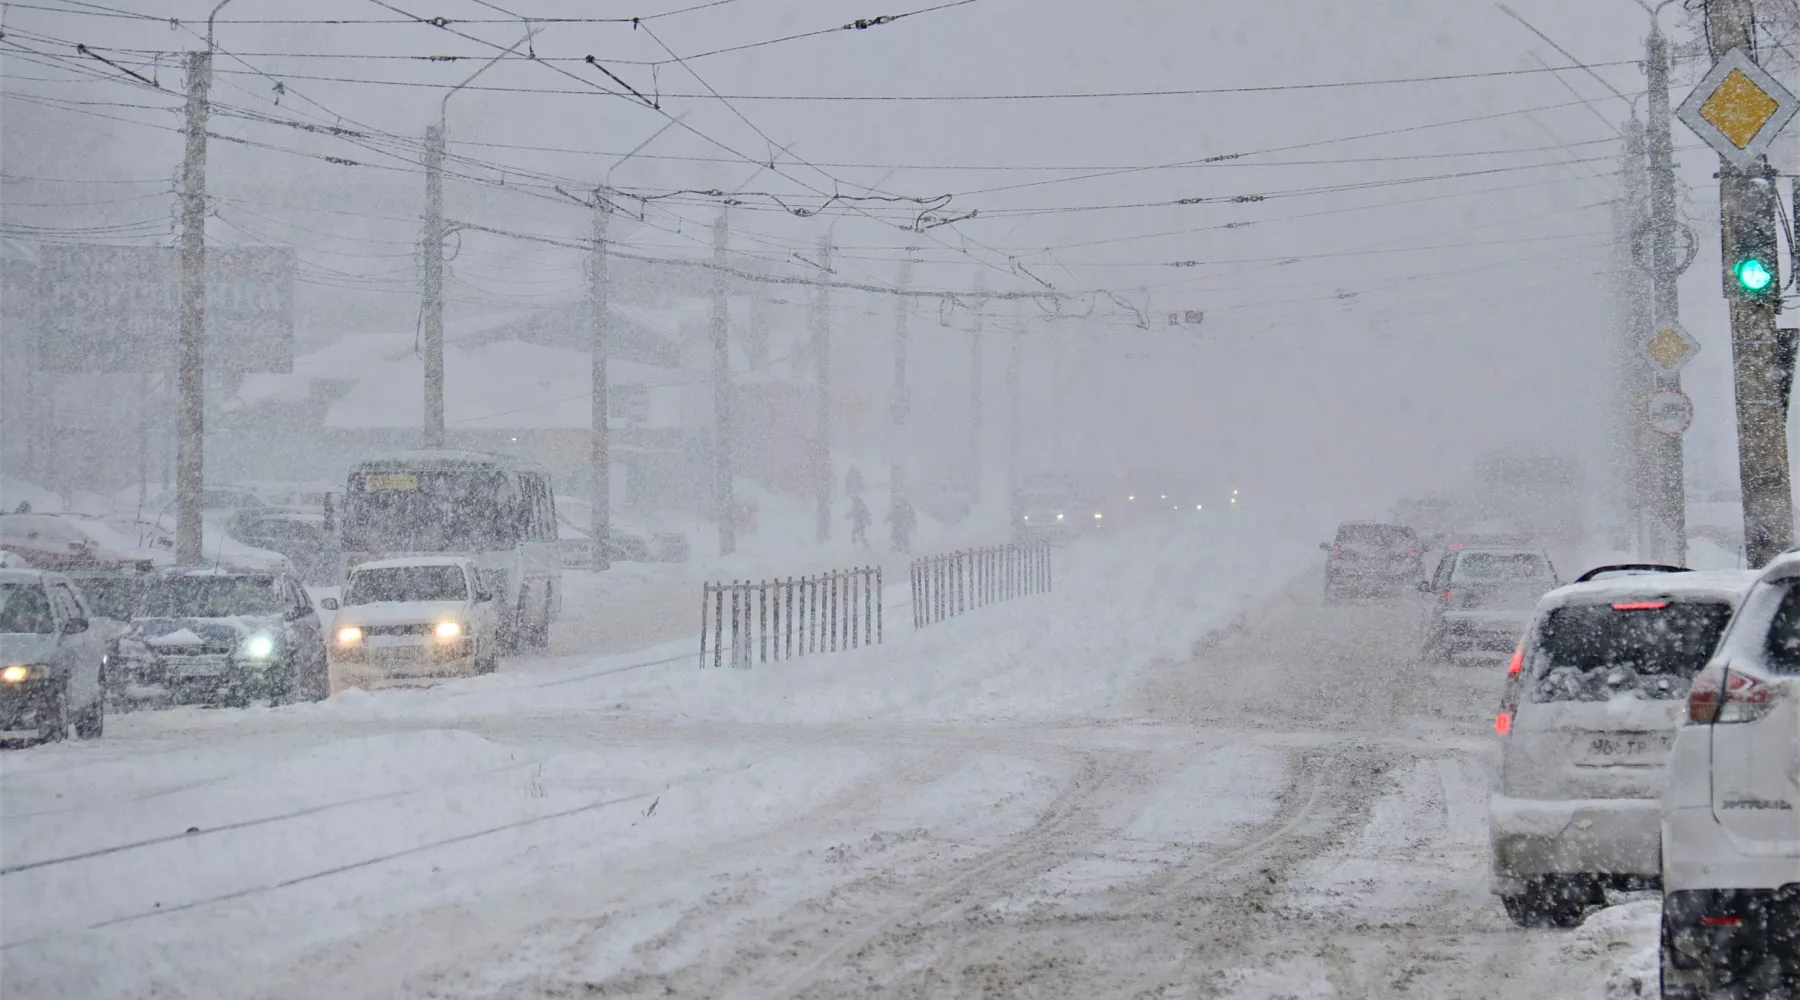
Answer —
24 608
210 597
1592 652
408 511
407 583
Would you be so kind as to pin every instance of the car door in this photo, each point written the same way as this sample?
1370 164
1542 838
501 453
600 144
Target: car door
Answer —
483 618
304 628
80 652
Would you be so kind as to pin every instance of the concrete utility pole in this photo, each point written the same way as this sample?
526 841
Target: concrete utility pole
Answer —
722 394
821 352
1747 203
432 317
1014 363
1666 493
599 347
900 402
975 377
190 410
1632 311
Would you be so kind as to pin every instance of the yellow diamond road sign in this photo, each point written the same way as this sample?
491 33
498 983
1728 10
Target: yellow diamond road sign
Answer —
1738 109
1671 348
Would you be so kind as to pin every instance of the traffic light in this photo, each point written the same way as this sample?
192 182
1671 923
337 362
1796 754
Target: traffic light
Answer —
1752 271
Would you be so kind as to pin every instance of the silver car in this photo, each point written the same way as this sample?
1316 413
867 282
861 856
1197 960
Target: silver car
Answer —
51 659
1595 692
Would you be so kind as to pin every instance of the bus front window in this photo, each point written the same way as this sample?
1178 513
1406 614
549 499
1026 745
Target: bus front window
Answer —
429 512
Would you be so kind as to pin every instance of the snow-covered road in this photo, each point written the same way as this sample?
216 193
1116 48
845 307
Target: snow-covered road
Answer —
1127 788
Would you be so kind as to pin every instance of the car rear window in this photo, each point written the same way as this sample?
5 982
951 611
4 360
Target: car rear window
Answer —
1374 537
1502 567
1782 651
1595 652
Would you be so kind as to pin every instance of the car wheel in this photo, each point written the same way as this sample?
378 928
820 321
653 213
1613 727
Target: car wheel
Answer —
53 718
91 723
1551 901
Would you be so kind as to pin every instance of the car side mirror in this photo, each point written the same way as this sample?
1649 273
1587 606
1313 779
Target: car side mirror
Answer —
329 604
1424 586
1324 546
483 597
75 626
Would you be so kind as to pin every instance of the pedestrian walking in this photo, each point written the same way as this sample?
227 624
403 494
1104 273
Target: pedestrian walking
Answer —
901 520
859 521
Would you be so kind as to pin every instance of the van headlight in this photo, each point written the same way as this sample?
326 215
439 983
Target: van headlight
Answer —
349 635
258 647
447 630
19 673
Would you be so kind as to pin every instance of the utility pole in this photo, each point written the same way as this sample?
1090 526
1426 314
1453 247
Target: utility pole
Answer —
432 318
1632 312
1666 499
821 352
599 347
722 394
1747 206
190 410
900 402
975 377
1014 363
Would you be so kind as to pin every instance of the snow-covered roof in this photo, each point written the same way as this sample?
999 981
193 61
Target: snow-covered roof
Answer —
1726 585
398 562
444 458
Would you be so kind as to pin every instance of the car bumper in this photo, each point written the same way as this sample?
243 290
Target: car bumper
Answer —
1484 636
1534 837
23 707
174 680
400 665
1697 854
1721 939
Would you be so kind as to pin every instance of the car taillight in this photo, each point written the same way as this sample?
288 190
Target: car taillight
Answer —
1743 699
1640 605
1721 920
1503 723
1446 595
1518 660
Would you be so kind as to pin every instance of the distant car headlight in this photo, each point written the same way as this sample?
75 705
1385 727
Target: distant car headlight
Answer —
349 635
258 647
1059 517
1099 516
448 630
17 673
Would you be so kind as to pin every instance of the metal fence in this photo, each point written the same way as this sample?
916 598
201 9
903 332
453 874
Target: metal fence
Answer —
755 622
947 585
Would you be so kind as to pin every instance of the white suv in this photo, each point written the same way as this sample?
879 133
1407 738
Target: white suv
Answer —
1731 814
1595 692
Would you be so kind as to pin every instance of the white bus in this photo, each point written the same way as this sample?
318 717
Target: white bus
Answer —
495 509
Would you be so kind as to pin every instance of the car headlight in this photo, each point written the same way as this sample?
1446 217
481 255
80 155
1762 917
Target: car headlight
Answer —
448 630
1059 517
1099 516
18 673
349 635
258 647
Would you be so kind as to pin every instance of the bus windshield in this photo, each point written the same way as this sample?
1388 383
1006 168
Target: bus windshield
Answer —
440 511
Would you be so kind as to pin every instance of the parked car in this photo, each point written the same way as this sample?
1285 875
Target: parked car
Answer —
64 542
1369 558
51 661
1481 600
1596 688
402 620
222 637
1731 810
299 533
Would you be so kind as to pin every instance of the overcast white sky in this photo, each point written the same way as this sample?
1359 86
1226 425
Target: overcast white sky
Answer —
1474 308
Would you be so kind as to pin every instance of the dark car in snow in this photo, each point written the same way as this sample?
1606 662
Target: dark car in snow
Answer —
302 534
1369 558
220 636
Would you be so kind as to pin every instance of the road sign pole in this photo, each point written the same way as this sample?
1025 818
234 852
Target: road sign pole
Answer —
1666 503
1747 109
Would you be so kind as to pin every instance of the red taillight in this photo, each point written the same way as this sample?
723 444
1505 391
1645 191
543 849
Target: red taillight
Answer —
1453 546
1411 551
1518 660
1721 921
1744 699
1337 548
1640 606
1446 595
1503 723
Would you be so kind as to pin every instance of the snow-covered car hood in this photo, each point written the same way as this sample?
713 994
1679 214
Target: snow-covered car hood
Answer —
26 647
166 632
402 612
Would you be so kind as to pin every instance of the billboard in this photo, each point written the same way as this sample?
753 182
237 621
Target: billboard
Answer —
118 309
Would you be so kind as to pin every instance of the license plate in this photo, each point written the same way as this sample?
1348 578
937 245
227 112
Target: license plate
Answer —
197 667
1639 749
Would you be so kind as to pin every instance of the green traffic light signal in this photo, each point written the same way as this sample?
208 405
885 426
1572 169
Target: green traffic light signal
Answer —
1752 275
